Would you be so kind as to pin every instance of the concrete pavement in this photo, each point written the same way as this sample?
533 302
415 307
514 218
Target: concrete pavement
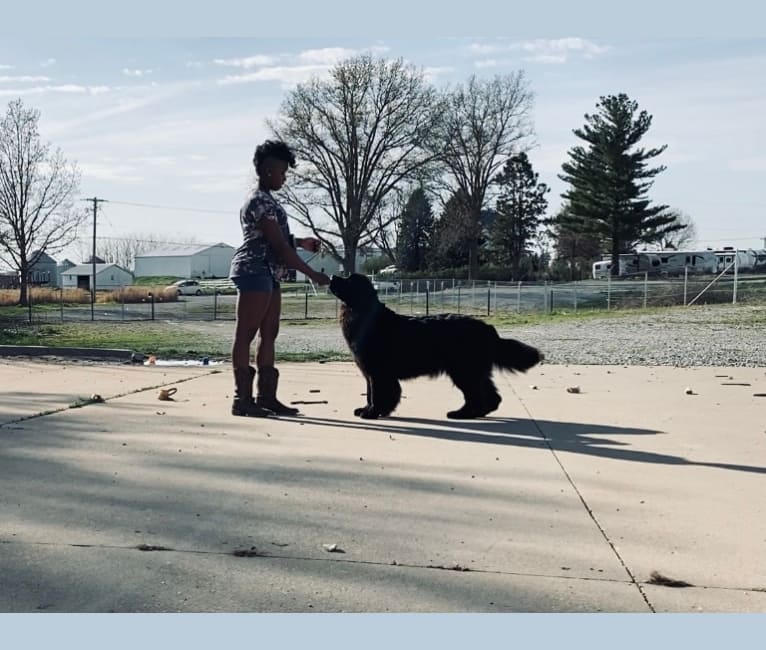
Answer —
559 502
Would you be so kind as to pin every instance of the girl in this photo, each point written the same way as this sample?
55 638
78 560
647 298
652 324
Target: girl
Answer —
256 269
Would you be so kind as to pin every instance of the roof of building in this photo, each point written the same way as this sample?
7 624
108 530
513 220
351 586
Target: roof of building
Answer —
87 269
42 257
179 250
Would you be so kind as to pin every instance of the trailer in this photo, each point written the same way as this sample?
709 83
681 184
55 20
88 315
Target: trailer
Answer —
671 263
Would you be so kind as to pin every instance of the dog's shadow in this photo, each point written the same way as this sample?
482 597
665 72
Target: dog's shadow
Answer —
573 437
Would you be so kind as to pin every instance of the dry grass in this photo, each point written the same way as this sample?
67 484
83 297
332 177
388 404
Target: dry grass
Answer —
128 295
131 295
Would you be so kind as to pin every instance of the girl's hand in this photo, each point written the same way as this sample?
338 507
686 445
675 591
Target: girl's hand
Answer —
320 278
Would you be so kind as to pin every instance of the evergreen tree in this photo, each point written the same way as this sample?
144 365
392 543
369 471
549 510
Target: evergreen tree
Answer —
415 232
519 209
452 235
609 180
575 252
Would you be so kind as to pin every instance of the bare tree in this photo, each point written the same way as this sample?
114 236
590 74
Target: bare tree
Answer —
37 193
122 250
685 236
480 125
387 222
357 136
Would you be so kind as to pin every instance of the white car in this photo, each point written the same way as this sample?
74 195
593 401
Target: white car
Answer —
187 288
386 285
389 270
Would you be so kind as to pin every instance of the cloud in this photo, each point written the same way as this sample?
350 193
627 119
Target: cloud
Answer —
287 75
47 63
246 62
326 55
135 73
194 64
63 88
558 50
433 72
4 66
487 63
24 79
541 50
291 69
107 172
126 100
754 164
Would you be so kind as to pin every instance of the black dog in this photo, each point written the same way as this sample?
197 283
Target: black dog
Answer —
388 347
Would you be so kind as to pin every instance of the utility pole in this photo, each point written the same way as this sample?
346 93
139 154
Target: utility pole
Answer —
95 202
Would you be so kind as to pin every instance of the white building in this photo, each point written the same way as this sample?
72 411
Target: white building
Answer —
325 262
108 276
193 261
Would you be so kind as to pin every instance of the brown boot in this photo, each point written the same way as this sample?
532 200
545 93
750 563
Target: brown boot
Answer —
243 403
268 380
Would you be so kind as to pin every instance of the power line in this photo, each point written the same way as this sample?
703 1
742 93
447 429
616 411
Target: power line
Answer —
171 207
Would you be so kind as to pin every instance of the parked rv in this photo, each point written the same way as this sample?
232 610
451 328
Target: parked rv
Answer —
676 263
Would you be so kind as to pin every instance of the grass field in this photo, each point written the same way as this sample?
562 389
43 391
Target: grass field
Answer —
193 339
166 340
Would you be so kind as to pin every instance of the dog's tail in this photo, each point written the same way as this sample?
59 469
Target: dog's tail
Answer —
515 356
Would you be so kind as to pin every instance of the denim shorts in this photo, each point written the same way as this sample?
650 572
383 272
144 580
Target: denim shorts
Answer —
262 283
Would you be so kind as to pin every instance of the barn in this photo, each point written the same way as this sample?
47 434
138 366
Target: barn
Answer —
43 271
193 261
108 276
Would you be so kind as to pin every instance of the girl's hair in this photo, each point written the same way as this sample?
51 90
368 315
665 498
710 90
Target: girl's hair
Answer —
273 149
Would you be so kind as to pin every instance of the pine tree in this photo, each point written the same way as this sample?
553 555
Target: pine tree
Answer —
452 235
415 232
520 208
610 179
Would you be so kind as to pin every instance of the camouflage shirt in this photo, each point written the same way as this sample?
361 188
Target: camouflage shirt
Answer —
255 256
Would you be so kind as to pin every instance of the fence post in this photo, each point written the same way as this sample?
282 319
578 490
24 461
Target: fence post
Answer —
427 296
61 303
686 282
575 296
29 298
151 297
215 304
412 298
609 291
736 273
306 304
518 297
646 286
550 301
458 299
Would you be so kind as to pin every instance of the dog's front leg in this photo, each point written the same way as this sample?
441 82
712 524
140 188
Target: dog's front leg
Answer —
384 393
358 411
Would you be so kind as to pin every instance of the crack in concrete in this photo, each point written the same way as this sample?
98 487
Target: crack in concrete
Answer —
255 553
265 555
584 502
87 403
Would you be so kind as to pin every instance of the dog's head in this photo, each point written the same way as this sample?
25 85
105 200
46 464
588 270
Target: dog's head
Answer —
356 291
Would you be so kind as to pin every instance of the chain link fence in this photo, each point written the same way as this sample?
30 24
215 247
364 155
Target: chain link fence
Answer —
421 297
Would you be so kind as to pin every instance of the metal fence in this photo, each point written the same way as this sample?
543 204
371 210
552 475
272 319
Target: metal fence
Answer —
479 298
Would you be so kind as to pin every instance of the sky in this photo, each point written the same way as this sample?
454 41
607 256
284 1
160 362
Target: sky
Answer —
174 122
